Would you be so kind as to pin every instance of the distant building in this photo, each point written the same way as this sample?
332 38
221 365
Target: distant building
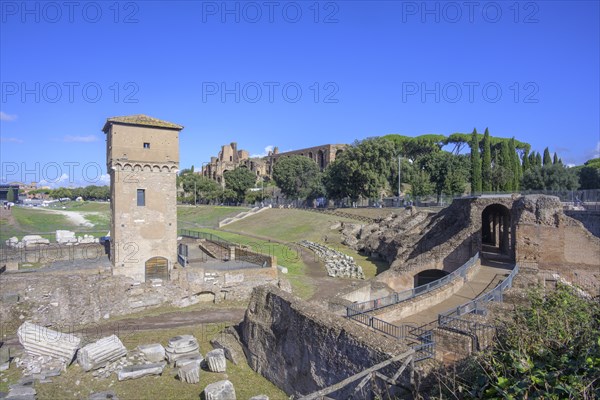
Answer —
229 158
142 157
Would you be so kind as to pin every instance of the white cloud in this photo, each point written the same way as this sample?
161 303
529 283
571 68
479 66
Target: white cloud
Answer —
265 153
10 140
81 139
7 117
54 183
103 180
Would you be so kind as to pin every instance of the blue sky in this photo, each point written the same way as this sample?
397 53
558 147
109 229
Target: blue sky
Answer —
291 74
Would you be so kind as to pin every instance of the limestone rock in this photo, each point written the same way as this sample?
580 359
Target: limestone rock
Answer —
21 392
216 360
139 371
260 397
98 354
38 340
181 346
189 372
153 352
32 240
64 237
338 264
231 347
221 390
196 359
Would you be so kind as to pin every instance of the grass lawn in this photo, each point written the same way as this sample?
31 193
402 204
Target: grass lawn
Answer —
89 206
29 220
205 216
77 384
292 225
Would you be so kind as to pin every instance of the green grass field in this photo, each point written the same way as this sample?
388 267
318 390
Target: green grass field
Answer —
205 216
291 225
89 206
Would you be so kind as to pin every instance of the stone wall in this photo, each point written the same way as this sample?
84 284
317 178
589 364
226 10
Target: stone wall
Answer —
75 299
589 219
302 349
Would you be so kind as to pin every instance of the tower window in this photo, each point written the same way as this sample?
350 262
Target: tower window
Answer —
146 145
141 197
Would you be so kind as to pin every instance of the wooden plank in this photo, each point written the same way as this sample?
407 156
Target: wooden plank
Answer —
353 378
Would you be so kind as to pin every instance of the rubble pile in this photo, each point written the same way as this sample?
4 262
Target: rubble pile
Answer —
337 264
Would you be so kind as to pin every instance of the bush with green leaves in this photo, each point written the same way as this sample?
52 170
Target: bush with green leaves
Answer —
549 350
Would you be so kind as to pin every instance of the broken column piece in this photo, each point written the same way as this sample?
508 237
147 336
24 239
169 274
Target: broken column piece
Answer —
41 341
98 354
216 360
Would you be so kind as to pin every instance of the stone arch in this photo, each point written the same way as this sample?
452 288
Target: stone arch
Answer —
310 155
165 169
321 159
174 169
496 229
427 276
157 268
156 168
137 167
206 296
147 168
127 167
338 153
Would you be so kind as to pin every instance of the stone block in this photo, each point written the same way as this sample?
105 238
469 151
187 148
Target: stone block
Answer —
180 347
189 373
260 397
221 390
98 354
198 359
153 352
39 340
139 371
216 360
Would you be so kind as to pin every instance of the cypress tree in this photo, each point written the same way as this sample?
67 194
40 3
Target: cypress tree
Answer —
506 163
486 163
538 159
555 159
475 164
526 159
547 158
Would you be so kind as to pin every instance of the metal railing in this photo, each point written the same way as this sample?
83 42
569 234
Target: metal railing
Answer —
478 305
399 297
422 339
204 235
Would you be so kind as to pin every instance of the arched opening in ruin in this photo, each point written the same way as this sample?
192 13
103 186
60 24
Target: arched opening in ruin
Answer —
428 276
205 297
321 159
157 268
310 155
496 229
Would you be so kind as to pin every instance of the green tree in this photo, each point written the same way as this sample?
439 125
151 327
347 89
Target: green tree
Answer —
504 175
516 165
448 173
10 196
547 158
550 177
589 174
363 170
296 176
538 159
526 161
421 184
239 180
476 185
555 159
486 164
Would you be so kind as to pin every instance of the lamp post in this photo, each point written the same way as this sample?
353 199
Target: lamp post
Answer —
399 174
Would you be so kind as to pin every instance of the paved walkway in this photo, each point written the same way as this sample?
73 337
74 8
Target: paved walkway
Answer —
490 274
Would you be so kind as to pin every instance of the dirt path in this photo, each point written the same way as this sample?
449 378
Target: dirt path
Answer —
74 217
